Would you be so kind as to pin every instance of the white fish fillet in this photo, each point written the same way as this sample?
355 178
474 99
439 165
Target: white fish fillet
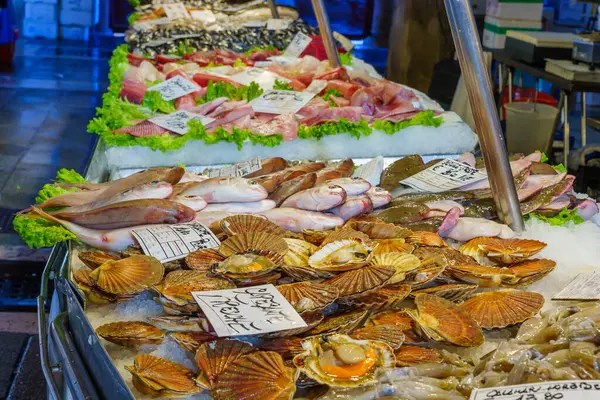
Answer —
534 183
470 228
371 171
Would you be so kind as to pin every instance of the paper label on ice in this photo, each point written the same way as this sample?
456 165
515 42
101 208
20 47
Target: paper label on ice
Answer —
238 170
248 311
316 86
254 24
284 60
298 44
178 121
556 390
445 175
264 79
172 242
203 15
175 88
344 41
262 64
175 11
281 101
585 286
275 24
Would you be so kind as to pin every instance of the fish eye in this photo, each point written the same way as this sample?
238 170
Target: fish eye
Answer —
332 187
355 178
155 182
253 182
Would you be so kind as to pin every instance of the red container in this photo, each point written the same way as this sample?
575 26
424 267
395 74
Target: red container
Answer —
527 95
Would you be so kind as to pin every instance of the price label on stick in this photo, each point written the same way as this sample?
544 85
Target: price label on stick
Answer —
175 88
277 24
172 242
298 44
584 287
238 170
281 101
445 175
556 390
175 11
178 121
248 311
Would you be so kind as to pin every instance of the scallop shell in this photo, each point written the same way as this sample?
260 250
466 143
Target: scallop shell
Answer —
215 356
393 246
84 282
298 253
225 268
341 256
314 236
190 341
483 276
313 319
401 262
384 297
306 273
306 296
157 376
454 257
178 285
94 259
261 375
528 272
82 277
503 251
271 277
244 223
249 241
426 239
391 335
129 275
399 318
180 323
341 323
412 355
429 270
131 334
285 347
440 319
203 260
345 234
381 230
453 292
309 362
360 281
502 308
172 308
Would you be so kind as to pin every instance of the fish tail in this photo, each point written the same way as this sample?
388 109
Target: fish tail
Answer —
24 211
45 215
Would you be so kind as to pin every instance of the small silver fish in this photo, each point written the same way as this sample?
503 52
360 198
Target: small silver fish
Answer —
379 197
196 203
319 198
353 207
227 190
249 208
296 220
352 185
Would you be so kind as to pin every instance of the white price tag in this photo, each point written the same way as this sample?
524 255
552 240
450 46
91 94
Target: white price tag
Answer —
557 390
316 86
238 170
172 242
584 287
264 79
248 311
203 15
284 60
281 101
254 24
344 41
262 64
298 44
445 175
178 121
175 88
175 11
277 24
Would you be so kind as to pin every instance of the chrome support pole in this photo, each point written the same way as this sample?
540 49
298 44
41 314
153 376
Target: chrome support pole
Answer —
566 132
326 33
583 119
479 89
273 7
510 85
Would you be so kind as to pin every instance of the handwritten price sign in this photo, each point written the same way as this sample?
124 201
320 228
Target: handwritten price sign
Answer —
178 121
560 390
248 311
445 175
298 44
175 88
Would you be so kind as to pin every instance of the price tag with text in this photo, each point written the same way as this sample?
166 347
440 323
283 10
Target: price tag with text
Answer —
299 43
175 88
344 41
238 170
584 287
557 390
445 175
178 121
175 11
277 24
281 101
248 311
172 242
262 64
264 79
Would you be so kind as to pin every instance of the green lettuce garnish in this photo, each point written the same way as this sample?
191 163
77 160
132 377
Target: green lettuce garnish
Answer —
544 156
153 83
239 63
562 218
425 118
119 64
354 129
134 3
132 18
218 89
346 59
331 92
282 85
252 50
183 48
69 176
154 101
560 167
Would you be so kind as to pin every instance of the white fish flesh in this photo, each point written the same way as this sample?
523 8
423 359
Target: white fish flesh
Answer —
371 171
536 156
352 185
193 177
296 220
557 204
467 158
248 208
587 209
353 207
535 183
469 228
319 198
379 196
196 203
227 190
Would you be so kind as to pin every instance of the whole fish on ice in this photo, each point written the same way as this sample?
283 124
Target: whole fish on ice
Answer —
320 198
535 183
441 208
379 197
291 187
296 220
227 190
196 203
352 185
353 207
342 169
246 208
587 209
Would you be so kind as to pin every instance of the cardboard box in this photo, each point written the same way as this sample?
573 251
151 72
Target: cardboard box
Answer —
78 18
494 31
515 9
41 12
75 32
33 29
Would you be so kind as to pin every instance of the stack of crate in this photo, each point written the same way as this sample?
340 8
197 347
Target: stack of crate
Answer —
41 19
77 17
505 15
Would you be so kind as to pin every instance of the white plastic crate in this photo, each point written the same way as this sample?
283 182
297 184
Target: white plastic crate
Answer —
41 12
75 32
33 28
513 9
494 32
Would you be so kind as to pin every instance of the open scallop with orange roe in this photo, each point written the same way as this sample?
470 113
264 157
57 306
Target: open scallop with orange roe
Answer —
340 361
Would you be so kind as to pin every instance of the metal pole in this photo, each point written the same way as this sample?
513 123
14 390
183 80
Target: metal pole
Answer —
326 34
479 89
273 7
566 132
583 120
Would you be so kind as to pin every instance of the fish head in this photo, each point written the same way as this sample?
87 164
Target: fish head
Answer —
332 190
155 189
184 213
253 189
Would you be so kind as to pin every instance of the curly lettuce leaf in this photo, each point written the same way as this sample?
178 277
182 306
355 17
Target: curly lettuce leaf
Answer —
425 118
119 64
69 176
346 59
282 85
239 63
37 232
252 50
560 168
215 90
331 92
132 18
154 101
184 48
560 219
354 129
134 3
